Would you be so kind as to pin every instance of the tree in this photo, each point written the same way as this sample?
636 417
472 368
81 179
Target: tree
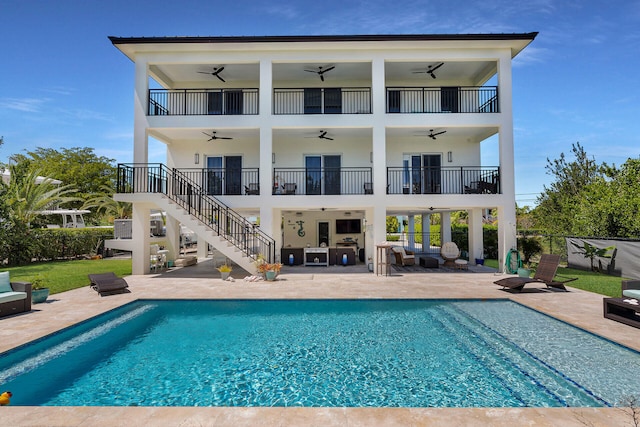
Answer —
26 195
105 204
78 167
392 224
557 203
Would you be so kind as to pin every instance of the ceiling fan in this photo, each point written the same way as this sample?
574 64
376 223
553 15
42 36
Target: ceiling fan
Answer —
430 70
433 135
321 72
216 72
322 135
213 136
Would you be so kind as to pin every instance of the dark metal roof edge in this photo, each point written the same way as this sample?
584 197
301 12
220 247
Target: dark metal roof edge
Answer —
323 38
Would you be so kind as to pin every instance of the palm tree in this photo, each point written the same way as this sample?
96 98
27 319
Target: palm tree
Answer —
104 202
28 194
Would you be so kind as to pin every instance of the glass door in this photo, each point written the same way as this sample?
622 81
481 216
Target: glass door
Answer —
332 179
233 175
213 176
323 233
313 174
432 173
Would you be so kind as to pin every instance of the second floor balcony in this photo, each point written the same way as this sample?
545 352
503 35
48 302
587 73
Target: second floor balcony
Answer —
332 180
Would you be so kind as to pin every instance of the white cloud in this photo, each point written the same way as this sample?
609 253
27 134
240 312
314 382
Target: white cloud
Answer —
27 105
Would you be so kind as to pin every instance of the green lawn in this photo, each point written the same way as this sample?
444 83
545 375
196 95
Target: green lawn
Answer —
60 276
587 280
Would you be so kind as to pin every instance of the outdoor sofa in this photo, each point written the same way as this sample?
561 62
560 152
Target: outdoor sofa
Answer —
15 297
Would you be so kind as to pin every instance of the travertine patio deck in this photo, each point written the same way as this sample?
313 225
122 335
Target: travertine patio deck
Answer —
577 307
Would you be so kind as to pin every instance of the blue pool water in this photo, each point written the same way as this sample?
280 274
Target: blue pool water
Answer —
355 353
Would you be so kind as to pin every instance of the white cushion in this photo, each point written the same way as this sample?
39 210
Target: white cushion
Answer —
631 293
12 296
449 250
5 282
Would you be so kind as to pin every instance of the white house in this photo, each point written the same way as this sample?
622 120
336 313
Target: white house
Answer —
320 138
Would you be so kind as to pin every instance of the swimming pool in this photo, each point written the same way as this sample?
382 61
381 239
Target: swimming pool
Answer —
323 353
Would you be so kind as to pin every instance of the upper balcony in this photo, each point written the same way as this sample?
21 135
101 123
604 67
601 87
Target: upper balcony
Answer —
198 102
448 99
325 88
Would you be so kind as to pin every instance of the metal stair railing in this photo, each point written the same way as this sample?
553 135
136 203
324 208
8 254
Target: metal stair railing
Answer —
186 193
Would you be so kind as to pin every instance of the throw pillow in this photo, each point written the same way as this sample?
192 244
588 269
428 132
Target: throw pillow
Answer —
5 283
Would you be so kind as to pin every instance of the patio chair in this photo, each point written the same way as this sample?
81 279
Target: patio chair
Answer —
368 188
545 273
252 189
108 284
403 257
290 187
449 253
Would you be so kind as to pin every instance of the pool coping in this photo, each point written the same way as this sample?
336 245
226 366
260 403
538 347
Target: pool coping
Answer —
66 309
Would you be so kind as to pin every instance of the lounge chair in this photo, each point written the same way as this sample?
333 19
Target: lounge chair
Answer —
545 273
449 253
108 284
403 257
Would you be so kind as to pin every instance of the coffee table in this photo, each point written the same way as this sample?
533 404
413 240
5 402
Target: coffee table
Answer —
620 311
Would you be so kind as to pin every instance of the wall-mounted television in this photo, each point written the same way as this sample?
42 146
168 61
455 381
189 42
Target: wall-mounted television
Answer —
348 226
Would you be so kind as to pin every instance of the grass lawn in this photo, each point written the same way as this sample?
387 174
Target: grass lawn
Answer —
587 280
60 276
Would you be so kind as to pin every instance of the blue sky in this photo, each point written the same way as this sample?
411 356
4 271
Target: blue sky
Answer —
63 84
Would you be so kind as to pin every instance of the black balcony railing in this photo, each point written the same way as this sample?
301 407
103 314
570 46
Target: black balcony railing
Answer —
189 195
225 181
456 99
322 181
185 102
345 100
443 180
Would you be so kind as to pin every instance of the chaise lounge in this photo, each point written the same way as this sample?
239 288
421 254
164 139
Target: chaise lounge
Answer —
15 297
108 284
545 273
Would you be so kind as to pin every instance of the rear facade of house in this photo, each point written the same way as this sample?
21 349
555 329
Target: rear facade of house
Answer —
297 149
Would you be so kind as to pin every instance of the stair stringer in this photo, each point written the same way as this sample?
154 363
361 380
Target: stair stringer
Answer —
205 233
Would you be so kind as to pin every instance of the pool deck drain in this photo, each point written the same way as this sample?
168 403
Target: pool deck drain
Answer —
580 308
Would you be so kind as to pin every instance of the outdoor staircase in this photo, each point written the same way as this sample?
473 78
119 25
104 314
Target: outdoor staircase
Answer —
185 200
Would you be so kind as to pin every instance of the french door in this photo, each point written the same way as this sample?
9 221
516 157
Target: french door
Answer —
422 174
224 175
322 174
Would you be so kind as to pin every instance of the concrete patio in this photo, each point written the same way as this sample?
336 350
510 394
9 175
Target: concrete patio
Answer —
580 308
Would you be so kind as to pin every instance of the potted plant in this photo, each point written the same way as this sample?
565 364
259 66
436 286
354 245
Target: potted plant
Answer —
268 270
39 293
530 247
225 271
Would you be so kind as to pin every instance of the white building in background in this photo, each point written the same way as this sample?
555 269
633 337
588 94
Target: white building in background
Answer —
321 138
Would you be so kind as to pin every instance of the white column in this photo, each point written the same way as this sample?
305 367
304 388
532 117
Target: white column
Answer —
173 238
141 101
411 237
378 143
379 227
445 227
266 135
476 247
507 206
426 232
506 233
141 227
